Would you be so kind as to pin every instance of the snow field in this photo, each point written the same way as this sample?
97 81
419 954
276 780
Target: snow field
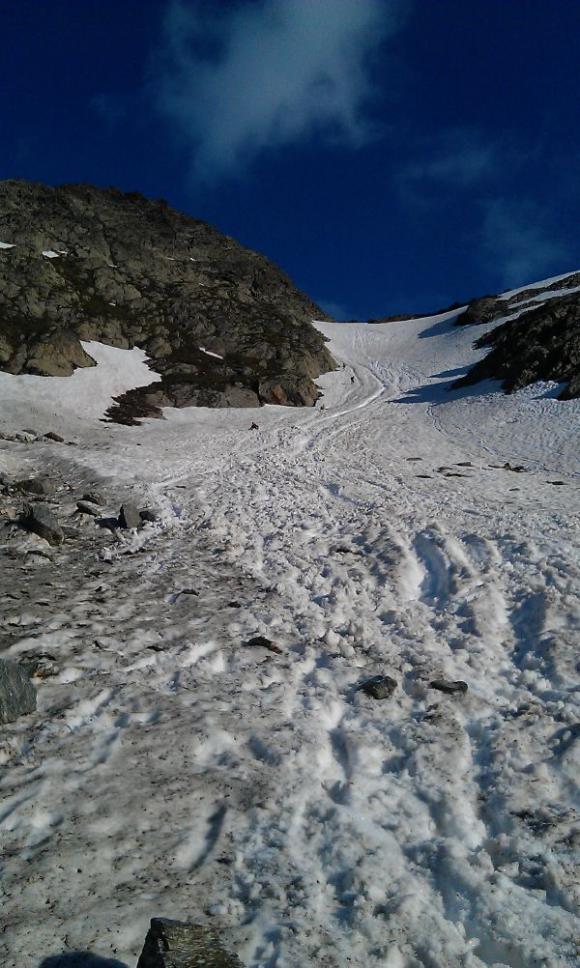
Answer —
197 778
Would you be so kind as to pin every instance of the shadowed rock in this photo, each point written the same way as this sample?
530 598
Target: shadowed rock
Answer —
41 486
379 687
37 518
86 507
450 687
17 694
129 517
174 944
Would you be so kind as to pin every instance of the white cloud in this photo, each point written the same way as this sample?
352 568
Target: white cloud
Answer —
460 158
268 73
520 243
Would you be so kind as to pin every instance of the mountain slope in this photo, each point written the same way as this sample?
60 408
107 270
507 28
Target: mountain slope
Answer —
222 325
398 528
535 335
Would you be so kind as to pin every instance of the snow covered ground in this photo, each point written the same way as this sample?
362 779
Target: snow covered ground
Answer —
171 770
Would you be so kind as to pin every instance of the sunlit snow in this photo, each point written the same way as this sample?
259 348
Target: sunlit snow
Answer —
175 772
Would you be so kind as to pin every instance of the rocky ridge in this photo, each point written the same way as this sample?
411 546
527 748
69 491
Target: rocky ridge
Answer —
537 336
222 325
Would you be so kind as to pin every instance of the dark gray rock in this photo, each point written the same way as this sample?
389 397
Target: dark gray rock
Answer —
450 687
94 497
149 515
129 516
483 310
52 436
379 687
175 944
17 694
37 518
41 486
85 507
262 642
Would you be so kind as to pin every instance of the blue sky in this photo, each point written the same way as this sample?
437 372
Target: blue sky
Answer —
391 155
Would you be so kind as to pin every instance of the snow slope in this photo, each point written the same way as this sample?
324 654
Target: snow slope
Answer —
170 770
74 400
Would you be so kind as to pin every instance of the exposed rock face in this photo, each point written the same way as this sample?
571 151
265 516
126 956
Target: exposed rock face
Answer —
541 343
221 324
17 694
173 944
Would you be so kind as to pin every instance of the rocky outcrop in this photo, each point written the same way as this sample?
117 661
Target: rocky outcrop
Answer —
17 694
174 944
540 339
487 309
222 325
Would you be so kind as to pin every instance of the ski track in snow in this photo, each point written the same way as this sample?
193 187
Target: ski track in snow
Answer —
173 772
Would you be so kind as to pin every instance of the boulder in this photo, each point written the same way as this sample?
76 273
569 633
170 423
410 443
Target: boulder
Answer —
52 436
94 497
129 516
85 507
37 518
450 687
175 944
262 642
17 694
379 687
149 515
42 486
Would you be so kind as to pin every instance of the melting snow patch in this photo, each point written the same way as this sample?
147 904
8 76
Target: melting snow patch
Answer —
50 254
84 395
6 245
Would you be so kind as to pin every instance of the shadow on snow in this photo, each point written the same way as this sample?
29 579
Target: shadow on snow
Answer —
445 391
80 959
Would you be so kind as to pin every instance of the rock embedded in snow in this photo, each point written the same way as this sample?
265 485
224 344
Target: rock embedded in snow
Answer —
17 694
175 944
379 687
149 515
87 507
261 641
450 687
38 519
129 516
41 486
52 436
94 497
40 665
